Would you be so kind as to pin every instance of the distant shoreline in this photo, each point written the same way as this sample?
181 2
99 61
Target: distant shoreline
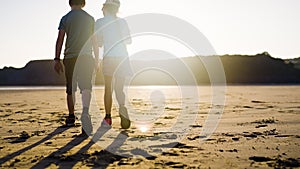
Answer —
12 88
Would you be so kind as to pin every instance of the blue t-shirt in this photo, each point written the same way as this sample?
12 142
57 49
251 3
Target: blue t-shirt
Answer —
79 27
113 33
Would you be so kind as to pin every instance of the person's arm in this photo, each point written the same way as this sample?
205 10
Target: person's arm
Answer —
95 47
59 42
98 34
96 52
100 40
126 33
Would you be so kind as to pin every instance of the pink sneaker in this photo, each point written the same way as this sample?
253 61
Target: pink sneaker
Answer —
107 120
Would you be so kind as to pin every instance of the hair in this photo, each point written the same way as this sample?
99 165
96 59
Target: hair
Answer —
76 2
112 9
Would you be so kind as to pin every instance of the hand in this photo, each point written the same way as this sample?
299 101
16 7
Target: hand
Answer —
58 67
97 65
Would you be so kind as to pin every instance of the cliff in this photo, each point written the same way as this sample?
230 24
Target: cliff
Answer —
239 69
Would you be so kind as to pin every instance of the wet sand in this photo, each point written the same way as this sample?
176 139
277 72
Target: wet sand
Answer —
259 128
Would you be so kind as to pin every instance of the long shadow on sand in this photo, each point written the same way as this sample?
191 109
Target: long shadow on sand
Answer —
48 137
56 156
104 157
108 157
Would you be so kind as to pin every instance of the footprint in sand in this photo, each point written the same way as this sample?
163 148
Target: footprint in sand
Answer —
175 164
22 105
248 107
261 125
5 115
8 110
260 158
169 117
170 154
256 101
22 138
172 108
235 138
196 126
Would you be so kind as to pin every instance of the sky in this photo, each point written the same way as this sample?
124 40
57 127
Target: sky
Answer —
29 28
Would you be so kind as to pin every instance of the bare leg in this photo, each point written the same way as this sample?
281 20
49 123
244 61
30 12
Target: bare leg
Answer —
71 102
108 94
119 87
86 98
87 127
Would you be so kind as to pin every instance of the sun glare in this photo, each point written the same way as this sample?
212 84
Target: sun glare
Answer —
143 129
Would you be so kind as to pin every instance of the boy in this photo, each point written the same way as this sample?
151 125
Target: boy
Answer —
78 61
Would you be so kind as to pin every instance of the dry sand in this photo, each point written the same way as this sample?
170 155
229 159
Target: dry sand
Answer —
258 129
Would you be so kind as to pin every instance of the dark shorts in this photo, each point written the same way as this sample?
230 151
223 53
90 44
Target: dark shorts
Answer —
79 71
116 66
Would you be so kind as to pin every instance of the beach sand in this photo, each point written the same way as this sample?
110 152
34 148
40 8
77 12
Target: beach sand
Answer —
259 128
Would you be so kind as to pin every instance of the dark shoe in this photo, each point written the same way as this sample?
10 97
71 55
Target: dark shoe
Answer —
86 123
70 120
125 122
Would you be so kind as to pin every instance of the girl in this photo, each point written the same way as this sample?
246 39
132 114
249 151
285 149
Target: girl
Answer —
113 34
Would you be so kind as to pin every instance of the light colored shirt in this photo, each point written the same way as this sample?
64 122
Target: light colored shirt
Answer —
113 34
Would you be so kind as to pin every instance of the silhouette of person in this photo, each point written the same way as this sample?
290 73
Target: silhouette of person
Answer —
113 34
79 64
